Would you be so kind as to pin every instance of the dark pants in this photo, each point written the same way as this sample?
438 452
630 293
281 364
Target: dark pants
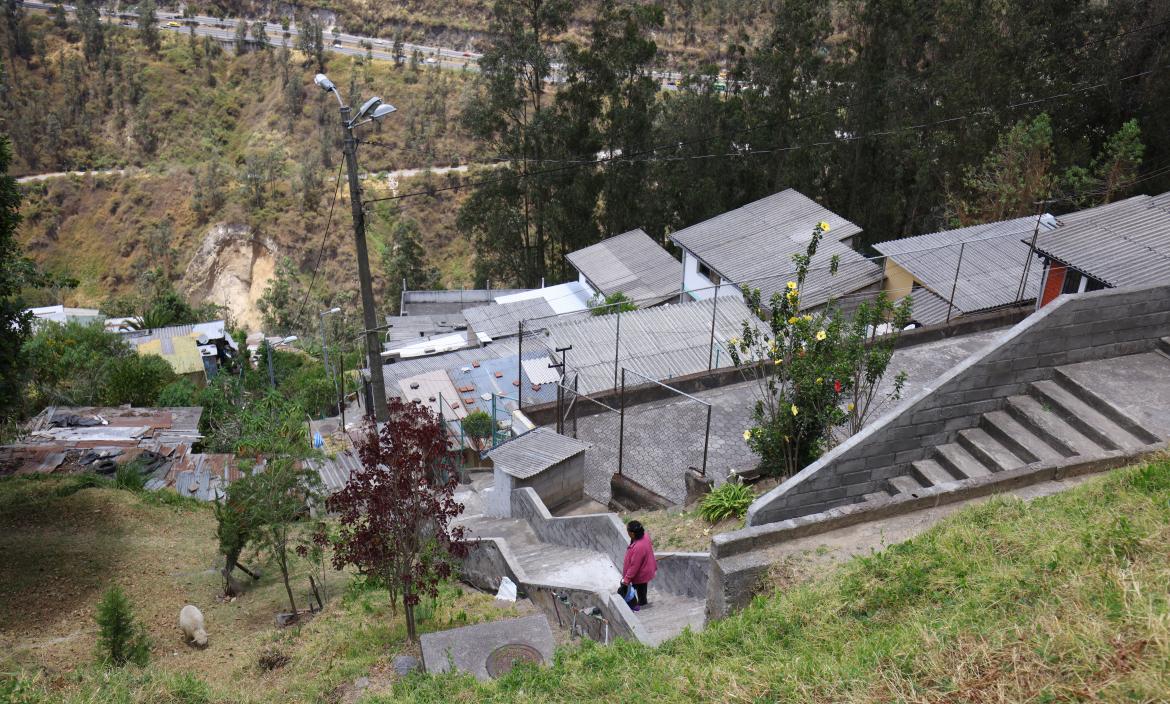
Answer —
640 589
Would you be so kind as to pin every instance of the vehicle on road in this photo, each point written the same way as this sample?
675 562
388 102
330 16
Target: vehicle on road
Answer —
466 54
173 24
432 60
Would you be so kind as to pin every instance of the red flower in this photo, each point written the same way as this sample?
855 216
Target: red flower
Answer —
837 385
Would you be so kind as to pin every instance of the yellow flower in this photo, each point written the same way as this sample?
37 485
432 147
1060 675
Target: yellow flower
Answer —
807 317
821 335
733 341
792 320
795 410
850 407
820 380
791 285
823 226
747 435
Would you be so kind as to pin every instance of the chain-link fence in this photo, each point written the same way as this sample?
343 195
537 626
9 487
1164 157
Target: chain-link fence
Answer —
586 418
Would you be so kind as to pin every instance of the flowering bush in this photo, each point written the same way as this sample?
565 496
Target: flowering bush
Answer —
816 371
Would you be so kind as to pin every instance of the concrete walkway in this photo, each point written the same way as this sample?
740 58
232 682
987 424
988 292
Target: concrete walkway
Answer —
667 614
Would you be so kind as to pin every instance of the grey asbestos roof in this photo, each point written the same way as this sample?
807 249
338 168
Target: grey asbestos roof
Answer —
752 247
406 368
502 320
993 259
535 451
630 263
928 309
412 328
448 304
661 343
1126 244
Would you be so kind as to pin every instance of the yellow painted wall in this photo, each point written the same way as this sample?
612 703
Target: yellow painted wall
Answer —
899 282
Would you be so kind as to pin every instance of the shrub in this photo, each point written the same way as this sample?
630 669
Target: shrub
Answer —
121 639
177 393
137 379
731 499
478 424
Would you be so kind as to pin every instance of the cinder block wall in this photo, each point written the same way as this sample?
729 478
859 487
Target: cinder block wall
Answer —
1074 328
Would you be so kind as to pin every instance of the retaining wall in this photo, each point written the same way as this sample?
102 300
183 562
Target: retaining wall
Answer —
1074 328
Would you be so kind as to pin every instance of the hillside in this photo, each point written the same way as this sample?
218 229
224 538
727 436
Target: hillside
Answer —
1060 599
212 141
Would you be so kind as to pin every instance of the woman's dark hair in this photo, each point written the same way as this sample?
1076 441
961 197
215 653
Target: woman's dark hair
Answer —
635 528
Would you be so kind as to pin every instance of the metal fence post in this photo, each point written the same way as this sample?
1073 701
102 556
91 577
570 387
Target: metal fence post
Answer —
706 440
617 344
576 396
711 345
520 367
622 424
951 303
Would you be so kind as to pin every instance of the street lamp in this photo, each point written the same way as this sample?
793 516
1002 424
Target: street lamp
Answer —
268 346
371 110
325 355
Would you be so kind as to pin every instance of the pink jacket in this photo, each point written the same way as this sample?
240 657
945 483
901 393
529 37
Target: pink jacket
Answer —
639 566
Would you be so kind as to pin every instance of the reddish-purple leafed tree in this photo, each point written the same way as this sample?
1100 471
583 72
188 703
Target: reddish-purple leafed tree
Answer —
396 511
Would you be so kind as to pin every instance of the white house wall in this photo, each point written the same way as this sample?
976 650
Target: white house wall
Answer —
699 287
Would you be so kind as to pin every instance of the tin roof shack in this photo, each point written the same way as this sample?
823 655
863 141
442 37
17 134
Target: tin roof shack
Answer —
100 439
549 463
631 264
197 351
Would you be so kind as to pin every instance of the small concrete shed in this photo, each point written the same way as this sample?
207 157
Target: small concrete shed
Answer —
549 463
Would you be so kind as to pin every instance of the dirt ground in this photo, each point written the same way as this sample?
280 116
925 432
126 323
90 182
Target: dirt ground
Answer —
61 552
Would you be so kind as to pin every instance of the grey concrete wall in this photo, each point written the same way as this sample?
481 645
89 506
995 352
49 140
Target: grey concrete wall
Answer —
633 496
1072 329
683 573
560 484
488 560
602 532
499 499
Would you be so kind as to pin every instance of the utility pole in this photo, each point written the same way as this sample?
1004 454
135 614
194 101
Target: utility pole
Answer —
372 109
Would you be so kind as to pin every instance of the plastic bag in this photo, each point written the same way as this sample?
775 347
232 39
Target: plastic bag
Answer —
631 594
507 590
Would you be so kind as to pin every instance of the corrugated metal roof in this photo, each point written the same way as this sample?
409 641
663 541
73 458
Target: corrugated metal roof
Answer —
752 247
1127 244
334 471
994 257
535 451
411 328
662 342
631 263
569 297
928 309
503 319
435 391
472 382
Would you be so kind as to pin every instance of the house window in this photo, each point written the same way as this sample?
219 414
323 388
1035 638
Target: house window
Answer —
707 272
1072 282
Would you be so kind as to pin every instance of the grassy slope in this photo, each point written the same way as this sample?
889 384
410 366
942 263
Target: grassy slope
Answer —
1061 599
63 546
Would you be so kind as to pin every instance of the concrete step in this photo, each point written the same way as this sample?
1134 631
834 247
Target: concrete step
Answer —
959 462
930 473
1163 347
1119 417
667 615
1089 421
905 485
1063 438
988 450
876 496
1020 440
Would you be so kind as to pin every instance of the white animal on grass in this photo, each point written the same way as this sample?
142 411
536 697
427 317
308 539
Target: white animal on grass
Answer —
191 621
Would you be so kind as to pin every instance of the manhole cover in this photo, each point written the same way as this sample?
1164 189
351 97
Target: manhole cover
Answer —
502 659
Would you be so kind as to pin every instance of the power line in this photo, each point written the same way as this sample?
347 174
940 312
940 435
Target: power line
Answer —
321 247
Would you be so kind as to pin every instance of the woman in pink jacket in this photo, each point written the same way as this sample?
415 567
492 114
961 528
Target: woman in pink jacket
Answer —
639 566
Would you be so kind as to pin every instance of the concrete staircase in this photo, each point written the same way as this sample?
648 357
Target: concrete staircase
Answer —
666 615
1055 420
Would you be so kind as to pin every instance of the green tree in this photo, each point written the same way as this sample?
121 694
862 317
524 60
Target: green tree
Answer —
281 301
311 39
16 273
121 638
92 31
241 38
1013 179
260 35
60 21
148 25
478 424
509 220
177 394
282 493
404 259
1113 172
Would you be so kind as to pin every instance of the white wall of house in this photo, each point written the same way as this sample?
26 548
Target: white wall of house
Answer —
584 281
699 287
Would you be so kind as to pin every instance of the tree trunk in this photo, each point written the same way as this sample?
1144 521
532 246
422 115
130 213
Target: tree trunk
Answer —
408 609
287 587
231 587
